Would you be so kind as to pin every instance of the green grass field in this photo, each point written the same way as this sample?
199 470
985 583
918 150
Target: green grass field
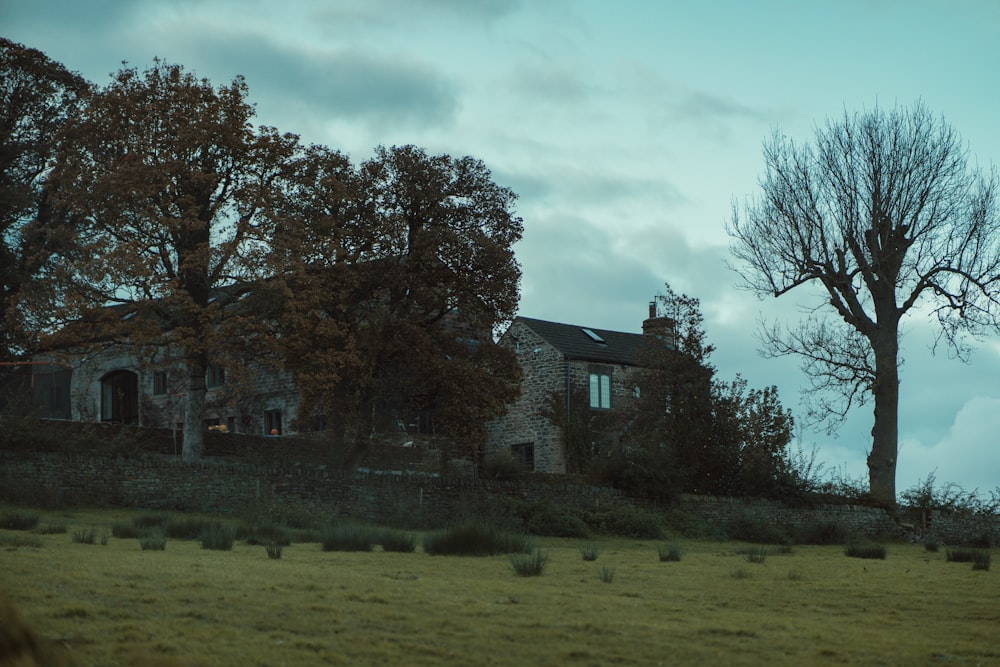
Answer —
118 605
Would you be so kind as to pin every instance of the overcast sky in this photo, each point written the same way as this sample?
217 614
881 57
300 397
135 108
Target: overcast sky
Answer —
627 128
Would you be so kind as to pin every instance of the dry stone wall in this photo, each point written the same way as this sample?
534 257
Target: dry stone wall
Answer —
158 481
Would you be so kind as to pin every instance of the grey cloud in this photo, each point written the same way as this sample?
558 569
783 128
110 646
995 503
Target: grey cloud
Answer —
339 84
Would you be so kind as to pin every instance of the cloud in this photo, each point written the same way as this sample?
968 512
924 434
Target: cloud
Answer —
968 452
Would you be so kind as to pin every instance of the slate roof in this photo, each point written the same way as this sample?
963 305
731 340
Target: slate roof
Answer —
573 341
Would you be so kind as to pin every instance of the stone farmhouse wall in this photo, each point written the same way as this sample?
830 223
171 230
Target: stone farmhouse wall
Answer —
157 481
270 391
546 370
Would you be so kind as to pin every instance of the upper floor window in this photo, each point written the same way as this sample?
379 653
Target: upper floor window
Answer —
215 376
600 388
159 383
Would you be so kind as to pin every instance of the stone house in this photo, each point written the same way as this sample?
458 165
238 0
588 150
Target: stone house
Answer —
557 360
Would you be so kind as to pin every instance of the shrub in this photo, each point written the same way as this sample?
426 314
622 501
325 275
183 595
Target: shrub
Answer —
607 574
557 523
152 539
628 521
590 552
347 537
217 537
474 539
398 541
273 550
865 550
823 533
758 555
669 553
530 564
932 545
752 528
19 521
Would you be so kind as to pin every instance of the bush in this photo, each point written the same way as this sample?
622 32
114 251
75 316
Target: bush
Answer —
823 533
669 553
152 539
217 537
751 528
474 539
273 551
590 552
554 522
530 564
150 521
932 545
866 550
19 521
628 521
347 537
53 529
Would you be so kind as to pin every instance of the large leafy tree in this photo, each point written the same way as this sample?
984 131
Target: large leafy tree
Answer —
884 214
688 430
167 182
406 272
37 96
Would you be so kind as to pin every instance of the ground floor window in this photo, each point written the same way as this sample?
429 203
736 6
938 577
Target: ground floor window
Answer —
524 454
120 397
272 422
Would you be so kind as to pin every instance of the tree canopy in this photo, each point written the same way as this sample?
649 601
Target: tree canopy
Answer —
37 96
885 214
407 271
166 181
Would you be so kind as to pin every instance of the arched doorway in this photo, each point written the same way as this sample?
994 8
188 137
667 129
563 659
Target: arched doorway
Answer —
120 397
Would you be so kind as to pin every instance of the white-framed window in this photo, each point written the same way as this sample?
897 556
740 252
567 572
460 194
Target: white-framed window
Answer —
600 388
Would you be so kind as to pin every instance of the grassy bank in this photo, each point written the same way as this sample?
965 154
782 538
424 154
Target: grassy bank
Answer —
721 603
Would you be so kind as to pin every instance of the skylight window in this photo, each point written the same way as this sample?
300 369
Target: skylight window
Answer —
594 337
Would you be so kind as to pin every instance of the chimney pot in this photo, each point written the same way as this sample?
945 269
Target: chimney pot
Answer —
652 309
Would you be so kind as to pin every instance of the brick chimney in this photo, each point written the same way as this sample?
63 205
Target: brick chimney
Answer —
661 328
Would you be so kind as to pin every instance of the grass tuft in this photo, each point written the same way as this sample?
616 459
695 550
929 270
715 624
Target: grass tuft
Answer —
475 539
590 552
88 536
669 553
868 550
756 555
217 537
19 521
607 574
273 550
398 541
980 558
530 564
348 536
152 539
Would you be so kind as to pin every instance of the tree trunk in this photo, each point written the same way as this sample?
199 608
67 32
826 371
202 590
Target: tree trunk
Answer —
194 414
885 432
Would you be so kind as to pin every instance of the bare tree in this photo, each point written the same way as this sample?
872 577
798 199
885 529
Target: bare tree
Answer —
885 214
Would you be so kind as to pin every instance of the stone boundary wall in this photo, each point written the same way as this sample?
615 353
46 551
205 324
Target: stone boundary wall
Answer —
156 481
